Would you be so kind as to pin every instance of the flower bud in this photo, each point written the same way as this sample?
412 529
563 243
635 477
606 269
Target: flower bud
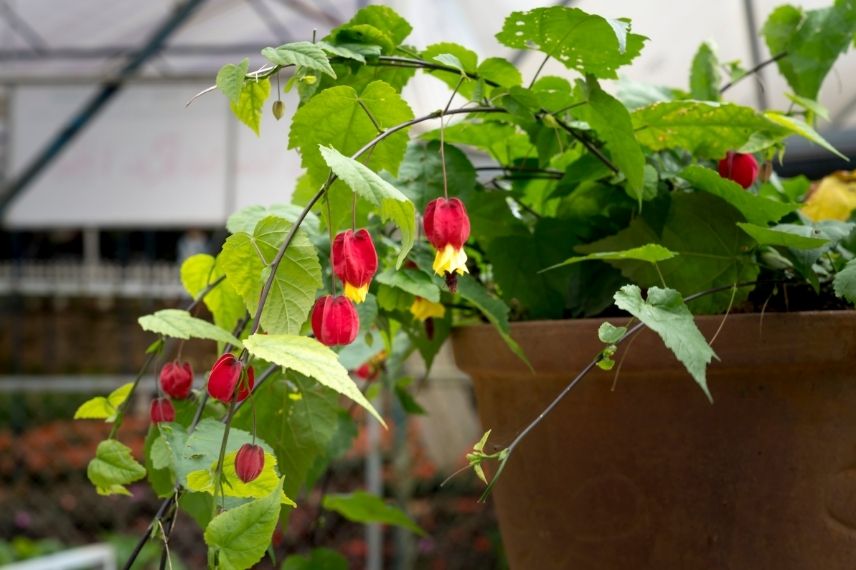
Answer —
162 411
249 462
367 372
226 377
335 320
741 168
423 309
176 379
278 109
354 262
447 227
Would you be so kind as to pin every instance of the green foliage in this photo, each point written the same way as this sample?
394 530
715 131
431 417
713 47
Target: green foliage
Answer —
317 559
203 480
113 467
845 282
363 507
246 259
610 334
704 75
580 41
310 358
238 538
200 270
250 103
230 79
772 236
181 324
413 281
651 253
304 54
101 408
420 176
664 312
493 309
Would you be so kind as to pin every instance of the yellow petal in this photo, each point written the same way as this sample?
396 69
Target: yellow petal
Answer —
833 199
449 260
423 309
356 294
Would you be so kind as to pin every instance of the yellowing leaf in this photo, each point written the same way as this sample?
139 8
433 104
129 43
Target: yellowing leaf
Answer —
833 199
202 480
101 408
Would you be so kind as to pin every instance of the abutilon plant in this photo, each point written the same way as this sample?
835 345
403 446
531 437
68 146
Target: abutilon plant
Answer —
226 377
739 167
447 227
335 320
176 379
161 410
354 262
249 462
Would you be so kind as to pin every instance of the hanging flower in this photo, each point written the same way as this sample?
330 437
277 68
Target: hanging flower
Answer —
162 411
355 262
423 309
335 320
225 378
739 167
447 227
176 379
249 462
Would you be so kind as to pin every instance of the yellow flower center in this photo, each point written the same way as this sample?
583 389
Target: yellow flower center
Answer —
449 260
356 294
423 309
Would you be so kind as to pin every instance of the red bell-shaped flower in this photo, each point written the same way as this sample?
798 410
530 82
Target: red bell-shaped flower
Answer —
355 262
249 462
225 378
739 167
162 411
335 320
447 227
176 379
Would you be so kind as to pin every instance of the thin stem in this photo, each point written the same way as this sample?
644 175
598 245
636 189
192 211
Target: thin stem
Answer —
752 71
259 382
218 471
371 117
586 143
443 140
538 71
332 238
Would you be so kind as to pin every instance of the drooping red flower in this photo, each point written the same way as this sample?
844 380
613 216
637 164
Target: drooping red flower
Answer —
162 411
335 320
226 376
447 227
367 371
739 167
249 462
176 379
354 262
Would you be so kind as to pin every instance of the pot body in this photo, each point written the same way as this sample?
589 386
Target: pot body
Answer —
641 471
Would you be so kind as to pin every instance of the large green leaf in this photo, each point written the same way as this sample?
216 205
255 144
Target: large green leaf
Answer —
101 408
584 42
664 312
652 253
246 219
250 104
420 176
611 120
230 79
177 323
704 74
305 54
385 19
317 559
706 129
363 507
197 272
501 140
772 236
812 39
335 118
413 281
393 205
845 282
755 209
701 229
113 467
239 537
246 259
310 358
802 129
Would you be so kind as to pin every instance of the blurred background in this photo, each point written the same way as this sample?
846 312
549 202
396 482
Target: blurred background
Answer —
108 181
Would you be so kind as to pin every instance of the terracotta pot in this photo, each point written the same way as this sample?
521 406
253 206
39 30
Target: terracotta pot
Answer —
651 475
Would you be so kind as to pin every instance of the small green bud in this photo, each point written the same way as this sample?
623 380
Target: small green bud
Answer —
309 79
278 109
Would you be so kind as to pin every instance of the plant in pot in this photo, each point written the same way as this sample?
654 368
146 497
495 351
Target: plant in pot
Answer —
609 222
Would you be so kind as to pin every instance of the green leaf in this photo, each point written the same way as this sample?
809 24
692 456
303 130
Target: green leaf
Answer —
704 75
584 42
772 236
230 79
246 260
610 334
113 467
611 120
239 537
706 129
357 52
335 118
500 71
310 358
809 105
223 301
420 176
384 19
502 141
493 309
845 282
755 209
413 281
317 559
250 104
202 480
800 128
451 61
101 408
393 205
362 507
246 219
813 40
305 54
652 253
665 313
177 323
